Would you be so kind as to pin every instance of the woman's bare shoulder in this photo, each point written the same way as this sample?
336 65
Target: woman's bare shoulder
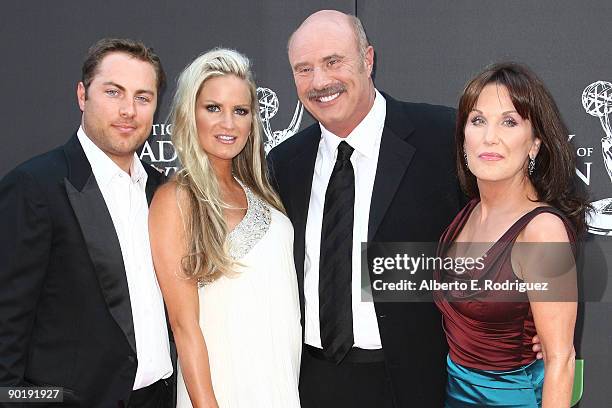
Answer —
171 196
545 227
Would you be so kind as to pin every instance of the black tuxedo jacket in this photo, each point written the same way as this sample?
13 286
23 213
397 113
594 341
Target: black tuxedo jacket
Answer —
415 196
66 317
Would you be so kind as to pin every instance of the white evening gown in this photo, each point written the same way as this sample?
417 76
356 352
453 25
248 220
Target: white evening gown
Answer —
251 322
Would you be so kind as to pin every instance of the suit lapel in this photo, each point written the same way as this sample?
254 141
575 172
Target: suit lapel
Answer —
154 179
100 237
302 172
393 160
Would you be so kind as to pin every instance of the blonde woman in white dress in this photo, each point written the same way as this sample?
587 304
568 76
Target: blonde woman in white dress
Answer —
223 248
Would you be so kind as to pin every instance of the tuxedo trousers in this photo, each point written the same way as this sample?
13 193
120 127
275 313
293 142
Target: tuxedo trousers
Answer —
156 395
325 384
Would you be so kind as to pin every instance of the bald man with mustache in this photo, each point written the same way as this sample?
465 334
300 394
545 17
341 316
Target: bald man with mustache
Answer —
372 169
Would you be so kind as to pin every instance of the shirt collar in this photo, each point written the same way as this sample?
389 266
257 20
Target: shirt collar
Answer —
362 137
103 167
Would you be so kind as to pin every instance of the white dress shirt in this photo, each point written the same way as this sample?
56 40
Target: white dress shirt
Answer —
126 201
365 139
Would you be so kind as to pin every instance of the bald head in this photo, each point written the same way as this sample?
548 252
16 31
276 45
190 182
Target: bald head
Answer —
332 66
324 21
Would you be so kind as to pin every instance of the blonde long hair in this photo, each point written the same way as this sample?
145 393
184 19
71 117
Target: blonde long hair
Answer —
206 230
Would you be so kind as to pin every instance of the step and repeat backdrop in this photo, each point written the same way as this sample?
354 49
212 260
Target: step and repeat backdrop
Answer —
425 52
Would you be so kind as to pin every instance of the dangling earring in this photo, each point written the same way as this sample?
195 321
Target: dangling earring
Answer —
465 158
531 165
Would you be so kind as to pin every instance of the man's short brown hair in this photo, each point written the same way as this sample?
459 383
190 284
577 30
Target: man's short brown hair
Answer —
136 49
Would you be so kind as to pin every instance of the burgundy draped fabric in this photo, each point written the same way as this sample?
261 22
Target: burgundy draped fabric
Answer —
484 330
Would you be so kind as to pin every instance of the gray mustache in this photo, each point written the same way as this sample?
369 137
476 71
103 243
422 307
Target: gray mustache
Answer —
327 91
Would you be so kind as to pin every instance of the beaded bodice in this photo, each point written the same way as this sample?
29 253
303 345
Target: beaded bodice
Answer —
251 228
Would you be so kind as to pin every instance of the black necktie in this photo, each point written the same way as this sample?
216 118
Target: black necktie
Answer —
335 265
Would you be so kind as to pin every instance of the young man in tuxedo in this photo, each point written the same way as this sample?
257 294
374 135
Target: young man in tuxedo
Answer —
81 307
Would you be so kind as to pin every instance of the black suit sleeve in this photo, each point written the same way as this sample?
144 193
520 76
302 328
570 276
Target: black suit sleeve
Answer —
272 171
25 240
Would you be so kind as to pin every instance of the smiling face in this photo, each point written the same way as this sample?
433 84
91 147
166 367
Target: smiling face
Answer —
498 141
223 117
119 105
331 76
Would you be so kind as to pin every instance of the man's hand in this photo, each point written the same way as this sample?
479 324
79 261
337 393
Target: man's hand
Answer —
537 347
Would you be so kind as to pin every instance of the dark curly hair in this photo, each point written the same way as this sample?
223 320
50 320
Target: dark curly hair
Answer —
555 163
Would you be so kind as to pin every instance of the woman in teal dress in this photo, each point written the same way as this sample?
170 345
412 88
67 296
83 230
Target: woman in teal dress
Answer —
516 165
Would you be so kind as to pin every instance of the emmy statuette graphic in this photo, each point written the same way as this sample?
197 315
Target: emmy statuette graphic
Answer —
268 107
597 101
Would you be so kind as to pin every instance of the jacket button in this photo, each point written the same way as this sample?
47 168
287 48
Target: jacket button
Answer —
381 316
131 359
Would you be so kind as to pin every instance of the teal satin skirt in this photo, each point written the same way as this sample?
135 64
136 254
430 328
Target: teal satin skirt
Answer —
469 388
